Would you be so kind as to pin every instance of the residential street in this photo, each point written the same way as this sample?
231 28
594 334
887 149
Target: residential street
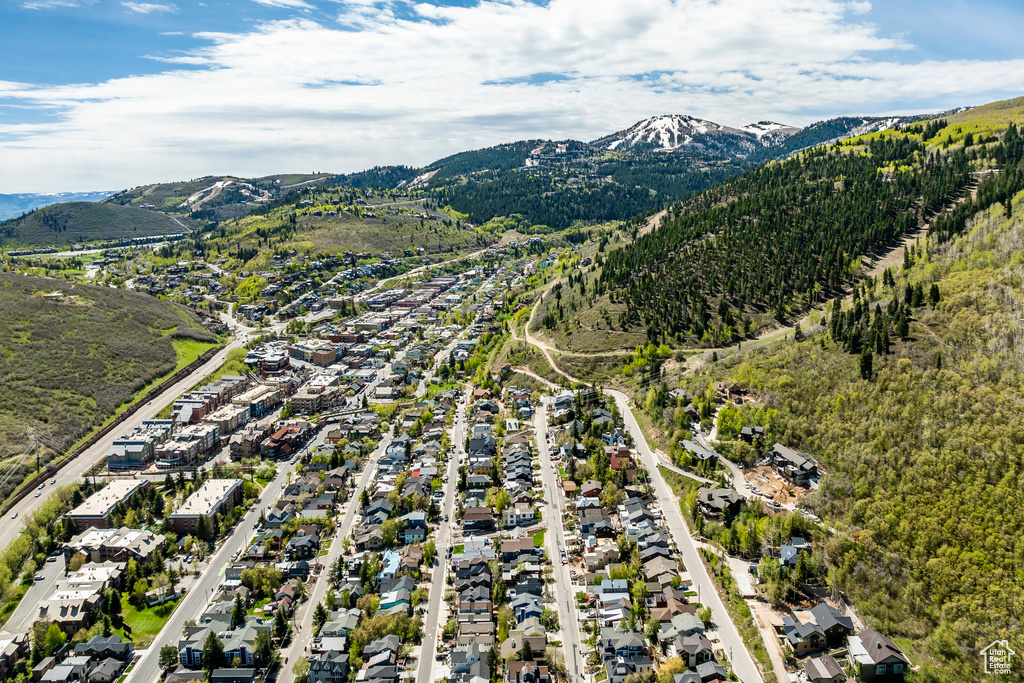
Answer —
303 619
554 503
442 540
742 663
147 668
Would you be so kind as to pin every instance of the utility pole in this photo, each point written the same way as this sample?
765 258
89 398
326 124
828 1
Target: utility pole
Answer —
35 438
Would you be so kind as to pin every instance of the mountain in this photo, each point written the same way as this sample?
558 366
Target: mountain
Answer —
680 132
216 198
79 222
13 205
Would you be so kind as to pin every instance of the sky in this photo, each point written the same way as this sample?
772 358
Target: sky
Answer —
110 94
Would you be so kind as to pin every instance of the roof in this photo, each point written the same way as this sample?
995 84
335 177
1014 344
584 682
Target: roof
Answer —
102 503
210 495
823 667
871 647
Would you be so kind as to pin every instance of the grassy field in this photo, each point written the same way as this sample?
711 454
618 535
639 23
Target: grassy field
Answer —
146 623
74 354
76 222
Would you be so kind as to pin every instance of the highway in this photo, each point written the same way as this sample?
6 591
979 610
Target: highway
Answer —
554 539
442 539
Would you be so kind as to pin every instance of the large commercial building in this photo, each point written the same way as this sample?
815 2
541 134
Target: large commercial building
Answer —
212 499
96 510
188 444
137 448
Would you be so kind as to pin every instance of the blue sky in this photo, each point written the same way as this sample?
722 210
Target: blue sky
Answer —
101 94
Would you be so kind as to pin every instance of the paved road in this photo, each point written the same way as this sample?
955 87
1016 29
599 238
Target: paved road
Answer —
28 609
442 538
304 616
742 663
554 539
196 600
76 469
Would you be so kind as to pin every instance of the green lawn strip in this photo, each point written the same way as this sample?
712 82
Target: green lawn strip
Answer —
12 602
740 613
258 607
538 538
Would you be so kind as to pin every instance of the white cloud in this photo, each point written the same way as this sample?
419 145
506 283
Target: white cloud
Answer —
397 83
51 4
149 7
290 4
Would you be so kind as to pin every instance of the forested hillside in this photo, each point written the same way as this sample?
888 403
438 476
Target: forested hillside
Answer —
578 183
924 451
787 235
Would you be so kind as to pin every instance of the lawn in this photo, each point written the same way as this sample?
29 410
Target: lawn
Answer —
145 623
258 607
538 538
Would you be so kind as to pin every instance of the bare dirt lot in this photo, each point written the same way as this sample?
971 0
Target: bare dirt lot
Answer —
773 487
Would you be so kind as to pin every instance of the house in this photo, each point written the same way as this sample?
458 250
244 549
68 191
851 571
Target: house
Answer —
694 649
12 648
415 526
752 434
478 519
527 672
469 665
591 489
106 671
302 547
514 548
876 658
708 672
233 675
698 453
519 514
824 669
526 606
798 468
101 647
789 553
513 645
718 502
239 642
622 644
278 518
620 668
835 626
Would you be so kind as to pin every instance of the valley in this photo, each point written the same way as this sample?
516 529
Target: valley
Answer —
683 403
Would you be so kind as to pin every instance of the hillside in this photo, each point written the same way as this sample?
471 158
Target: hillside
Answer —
759 248
13 205
216 198
73 353
79 222
923 455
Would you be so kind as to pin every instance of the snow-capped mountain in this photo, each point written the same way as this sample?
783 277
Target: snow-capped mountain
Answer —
682 132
